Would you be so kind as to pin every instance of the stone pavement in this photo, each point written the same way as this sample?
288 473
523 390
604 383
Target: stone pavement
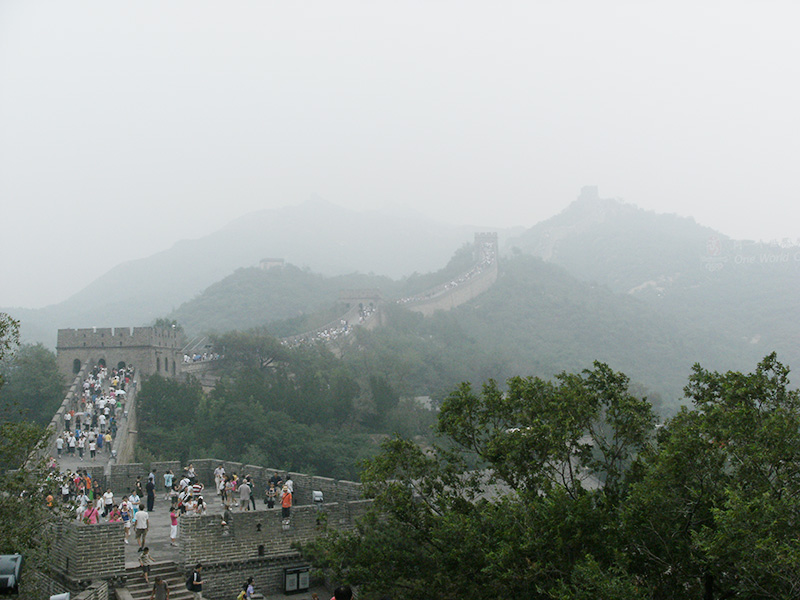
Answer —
157 538
158 542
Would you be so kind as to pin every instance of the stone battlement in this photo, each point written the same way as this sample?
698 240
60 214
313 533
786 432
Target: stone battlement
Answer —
101 337
150 349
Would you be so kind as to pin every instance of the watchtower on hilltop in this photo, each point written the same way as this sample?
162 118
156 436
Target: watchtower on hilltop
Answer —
366 297
486 247
150 349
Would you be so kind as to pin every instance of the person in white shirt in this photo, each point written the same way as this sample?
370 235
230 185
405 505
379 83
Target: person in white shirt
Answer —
141 524
108 502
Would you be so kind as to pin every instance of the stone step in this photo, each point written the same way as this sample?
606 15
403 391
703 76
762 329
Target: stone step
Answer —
137 589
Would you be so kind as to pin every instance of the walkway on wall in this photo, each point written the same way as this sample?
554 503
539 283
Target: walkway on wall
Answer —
122 446
337 333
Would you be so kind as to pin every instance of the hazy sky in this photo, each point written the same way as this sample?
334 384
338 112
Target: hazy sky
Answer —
125 126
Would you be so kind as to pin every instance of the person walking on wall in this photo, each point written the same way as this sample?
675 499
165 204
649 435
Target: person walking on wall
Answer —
168 478
141 525
286 504
160 590
173 525
145 560
150 487
244 496
195 582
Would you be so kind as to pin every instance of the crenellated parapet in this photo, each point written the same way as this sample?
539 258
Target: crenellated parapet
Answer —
150 349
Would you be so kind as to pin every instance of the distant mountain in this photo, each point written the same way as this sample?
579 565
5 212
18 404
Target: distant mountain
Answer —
319 235
254 297
746 290
539 320
617 244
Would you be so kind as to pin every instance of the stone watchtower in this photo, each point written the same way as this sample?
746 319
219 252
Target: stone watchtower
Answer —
149 349
486 247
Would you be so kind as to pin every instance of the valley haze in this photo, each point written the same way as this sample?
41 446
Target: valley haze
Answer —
126 127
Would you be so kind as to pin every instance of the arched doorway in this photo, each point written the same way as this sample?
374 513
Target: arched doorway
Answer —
121 364
76 366
102 362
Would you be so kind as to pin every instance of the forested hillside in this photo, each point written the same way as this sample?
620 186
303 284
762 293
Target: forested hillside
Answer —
578 496
538 320
299 409
743 290
294 300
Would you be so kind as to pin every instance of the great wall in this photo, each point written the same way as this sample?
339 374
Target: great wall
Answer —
257 543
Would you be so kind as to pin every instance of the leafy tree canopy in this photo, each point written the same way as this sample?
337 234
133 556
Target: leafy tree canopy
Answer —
33 388
25 518
292 408
562 490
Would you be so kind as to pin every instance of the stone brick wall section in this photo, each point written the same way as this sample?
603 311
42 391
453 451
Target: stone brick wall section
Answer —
70 401
123 477
253 535
457 296
224 580
161 468
37 585
230 469
99 554
99 479
302 484
97 591
333 490
204 468
256 544
89 552
146 348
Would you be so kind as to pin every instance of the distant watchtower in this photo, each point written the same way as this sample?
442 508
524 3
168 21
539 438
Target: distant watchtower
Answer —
149 349
486 247
367 297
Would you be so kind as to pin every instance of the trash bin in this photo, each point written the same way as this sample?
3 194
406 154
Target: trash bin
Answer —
10 571
296 579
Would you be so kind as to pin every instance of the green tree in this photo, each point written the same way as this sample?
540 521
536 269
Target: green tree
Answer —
253 348
714 514
26 523
504 506
538 434
164 323
167 412
33 388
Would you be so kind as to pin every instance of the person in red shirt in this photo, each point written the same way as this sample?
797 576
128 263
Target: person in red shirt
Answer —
286 503
173 526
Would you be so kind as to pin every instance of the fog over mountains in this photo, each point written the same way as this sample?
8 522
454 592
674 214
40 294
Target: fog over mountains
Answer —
317 235
745 288
677 285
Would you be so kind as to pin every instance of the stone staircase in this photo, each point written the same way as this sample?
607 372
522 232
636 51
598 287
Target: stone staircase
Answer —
137 589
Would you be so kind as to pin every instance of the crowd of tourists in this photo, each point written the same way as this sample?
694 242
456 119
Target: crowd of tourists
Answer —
197 357
75 492
486 257
332 331
91 423
235 491
328 333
